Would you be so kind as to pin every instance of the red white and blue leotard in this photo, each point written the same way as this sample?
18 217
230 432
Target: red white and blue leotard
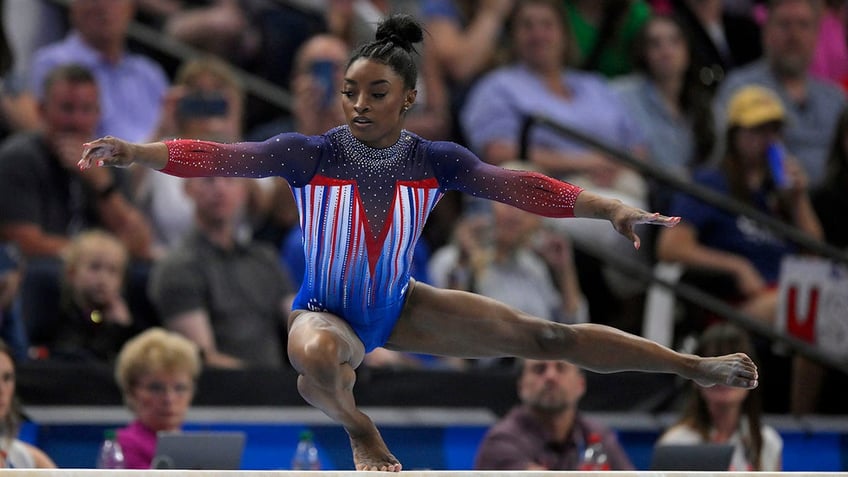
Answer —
363 209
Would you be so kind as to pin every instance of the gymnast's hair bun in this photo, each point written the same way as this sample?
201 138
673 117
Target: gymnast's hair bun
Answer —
400 29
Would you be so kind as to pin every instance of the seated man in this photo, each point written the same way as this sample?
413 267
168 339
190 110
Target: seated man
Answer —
228 295
546 431
46 199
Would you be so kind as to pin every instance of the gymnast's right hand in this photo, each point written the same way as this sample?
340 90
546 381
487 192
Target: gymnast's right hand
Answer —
106 151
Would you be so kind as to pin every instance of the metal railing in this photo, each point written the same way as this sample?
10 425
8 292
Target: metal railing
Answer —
683 290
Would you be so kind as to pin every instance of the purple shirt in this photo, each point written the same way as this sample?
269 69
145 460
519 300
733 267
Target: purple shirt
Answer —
519 440
139 445
500 101
131 90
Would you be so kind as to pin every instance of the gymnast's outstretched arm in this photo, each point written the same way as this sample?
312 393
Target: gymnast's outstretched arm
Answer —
457 168
289 155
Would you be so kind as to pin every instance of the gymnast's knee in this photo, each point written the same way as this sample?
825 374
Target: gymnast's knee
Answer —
316 355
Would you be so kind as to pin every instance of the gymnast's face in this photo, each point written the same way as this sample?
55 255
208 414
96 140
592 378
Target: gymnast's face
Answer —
373 99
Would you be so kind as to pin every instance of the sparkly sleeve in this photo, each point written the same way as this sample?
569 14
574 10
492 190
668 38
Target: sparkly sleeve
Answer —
290 155
457 168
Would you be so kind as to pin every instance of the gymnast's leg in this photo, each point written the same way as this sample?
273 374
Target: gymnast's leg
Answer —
325 351
462 324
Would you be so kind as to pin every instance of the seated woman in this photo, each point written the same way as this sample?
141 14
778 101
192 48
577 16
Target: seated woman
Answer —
721 414
711 238
156 372
14 453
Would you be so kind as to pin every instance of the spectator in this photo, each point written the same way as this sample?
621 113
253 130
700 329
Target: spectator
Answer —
226 293
466 39
812 105
721 39
466 35
46 199
27 25
219 27
156 371
546 431
12 329
744 255
818 387
94 319
830 199
721 414
539 82
830 61
315 85
506 254
128 82
15 452
668 101
711 238
206 101
316 107
603 32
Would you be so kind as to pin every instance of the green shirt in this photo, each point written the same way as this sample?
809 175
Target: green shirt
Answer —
616 56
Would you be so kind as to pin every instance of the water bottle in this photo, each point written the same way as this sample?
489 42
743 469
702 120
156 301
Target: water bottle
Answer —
111 456
594 456
306 454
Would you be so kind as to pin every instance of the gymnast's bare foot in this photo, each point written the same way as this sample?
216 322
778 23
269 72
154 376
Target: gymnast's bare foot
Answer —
371 453
735 370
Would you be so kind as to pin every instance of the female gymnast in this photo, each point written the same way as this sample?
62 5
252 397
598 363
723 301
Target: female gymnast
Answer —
363 191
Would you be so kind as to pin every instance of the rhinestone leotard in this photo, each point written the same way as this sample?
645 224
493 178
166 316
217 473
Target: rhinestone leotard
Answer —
362 209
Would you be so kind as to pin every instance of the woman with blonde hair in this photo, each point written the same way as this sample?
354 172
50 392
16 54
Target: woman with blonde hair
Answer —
156 372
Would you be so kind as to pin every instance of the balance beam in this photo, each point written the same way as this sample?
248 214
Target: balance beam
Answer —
410 473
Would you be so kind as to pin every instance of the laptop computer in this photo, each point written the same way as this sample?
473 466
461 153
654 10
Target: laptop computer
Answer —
199 450
692 457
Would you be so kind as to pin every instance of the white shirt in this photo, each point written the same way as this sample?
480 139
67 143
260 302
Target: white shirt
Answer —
771 455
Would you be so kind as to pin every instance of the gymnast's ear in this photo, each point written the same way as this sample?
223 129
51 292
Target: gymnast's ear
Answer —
410 98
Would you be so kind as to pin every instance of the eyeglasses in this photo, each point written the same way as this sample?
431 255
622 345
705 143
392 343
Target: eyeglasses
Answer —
160 389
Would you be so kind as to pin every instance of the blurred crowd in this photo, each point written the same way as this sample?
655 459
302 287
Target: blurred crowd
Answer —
704 89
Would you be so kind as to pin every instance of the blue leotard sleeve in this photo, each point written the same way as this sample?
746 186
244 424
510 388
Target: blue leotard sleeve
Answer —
457 168
290 155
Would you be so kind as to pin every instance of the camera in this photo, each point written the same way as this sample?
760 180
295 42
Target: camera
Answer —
202 104
325 73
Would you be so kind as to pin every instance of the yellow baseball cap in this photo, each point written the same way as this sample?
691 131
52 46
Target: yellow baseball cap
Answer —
754 105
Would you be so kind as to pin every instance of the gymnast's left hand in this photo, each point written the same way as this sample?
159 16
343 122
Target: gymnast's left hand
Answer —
106 151
625 217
